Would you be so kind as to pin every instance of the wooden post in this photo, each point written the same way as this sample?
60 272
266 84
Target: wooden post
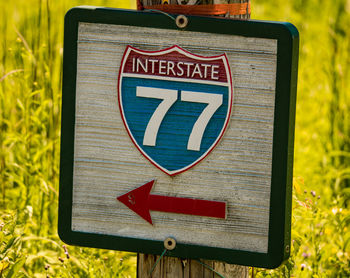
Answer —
170 267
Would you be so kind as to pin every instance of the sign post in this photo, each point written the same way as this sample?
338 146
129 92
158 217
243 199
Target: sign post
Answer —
178 138
170 267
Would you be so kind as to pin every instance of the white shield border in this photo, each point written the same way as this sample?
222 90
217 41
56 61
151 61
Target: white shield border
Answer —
173 48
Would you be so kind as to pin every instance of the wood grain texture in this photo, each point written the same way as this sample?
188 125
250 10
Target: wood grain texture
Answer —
238 171
182 268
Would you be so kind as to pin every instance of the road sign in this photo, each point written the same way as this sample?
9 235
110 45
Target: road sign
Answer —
178 133
182 101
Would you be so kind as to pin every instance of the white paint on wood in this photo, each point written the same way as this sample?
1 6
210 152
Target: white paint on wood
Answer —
238 171
169 97
214 101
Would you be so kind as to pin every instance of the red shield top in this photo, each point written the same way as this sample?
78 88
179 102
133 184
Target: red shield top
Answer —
175 62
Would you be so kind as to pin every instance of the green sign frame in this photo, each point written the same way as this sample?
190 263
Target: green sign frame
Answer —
283 141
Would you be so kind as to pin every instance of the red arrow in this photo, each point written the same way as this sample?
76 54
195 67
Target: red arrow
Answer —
141 201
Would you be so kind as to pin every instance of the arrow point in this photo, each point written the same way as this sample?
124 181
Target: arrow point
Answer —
138 200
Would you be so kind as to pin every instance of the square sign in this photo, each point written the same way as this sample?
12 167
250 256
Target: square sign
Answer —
178 133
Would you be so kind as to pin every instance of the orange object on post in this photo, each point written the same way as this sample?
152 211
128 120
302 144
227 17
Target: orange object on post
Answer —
214 9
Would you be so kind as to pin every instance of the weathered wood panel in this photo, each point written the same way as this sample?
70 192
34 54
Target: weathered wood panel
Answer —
106 163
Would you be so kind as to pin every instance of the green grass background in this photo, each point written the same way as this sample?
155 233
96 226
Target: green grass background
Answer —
31 37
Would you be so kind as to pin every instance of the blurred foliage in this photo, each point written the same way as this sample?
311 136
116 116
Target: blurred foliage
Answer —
321 193
30 97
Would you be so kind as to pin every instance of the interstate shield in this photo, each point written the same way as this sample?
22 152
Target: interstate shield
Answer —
175 105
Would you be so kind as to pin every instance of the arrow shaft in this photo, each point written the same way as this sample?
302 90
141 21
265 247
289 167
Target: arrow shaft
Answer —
141 202
187 206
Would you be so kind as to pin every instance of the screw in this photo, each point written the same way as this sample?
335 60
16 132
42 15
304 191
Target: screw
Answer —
181 21
169 243
287 248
